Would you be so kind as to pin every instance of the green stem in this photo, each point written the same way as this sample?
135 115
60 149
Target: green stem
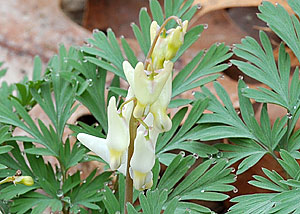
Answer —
133 124
157 36
124 103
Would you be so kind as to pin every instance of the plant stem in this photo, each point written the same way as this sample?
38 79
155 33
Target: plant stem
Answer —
124 103
157 36
129 183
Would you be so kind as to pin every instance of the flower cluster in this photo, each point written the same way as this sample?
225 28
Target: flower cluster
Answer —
149 93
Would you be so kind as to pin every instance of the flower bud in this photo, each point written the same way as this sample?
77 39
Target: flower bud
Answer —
167 44
175 40
26 180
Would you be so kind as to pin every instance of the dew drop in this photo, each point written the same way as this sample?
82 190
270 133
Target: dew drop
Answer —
99 191
59 176
235 178
210 156
235 190
289 115
229 64
90 82
202 190
195 155
37 156
238 112
219 154
205 26
241 77
222 77
65 60
80 172
67 199
57 75
59 193
86 157
84 181
96 30
118 212
78 145
85 60
294 107
182 153
199 6
232 169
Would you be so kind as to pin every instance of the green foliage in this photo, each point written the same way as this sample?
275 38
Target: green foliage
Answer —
208 181
286 191
201 171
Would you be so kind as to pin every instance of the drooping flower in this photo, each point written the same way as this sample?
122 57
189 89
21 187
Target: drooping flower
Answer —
162 122
113 149
146 88
99 147
143 158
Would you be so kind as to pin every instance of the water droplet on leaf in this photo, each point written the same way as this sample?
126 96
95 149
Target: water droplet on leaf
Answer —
59 193
182 153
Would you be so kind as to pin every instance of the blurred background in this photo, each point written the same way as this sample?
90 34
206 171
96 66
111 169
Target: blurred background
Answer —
37 27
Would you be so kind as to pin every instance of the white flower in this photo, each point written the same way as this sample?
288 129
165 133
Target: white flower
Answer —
146 88
113 149
162 122
99 147
143 158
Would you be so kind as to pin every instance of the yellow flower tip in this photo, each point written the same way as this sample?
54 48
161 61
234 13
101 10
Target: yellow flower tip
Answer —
115 159
141 181
26 180
139 110
161 121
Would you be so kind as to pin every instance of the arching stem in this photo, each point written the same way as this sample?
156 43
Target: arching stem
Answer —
157 36
124 103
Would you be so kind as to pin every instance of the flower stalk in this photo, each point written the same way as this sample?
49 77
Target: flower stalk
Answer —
133 124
